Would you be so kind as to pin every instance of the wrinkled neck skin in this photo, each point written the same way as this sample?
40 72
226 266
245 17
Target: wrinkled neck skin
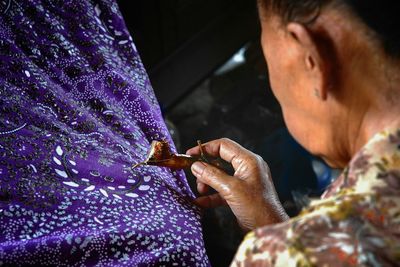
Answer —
366 91
371 97
381 112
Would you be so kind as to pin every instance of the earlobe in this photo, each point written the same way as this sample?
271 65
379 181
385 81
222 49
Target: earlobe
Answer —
303 37
310 63
314 63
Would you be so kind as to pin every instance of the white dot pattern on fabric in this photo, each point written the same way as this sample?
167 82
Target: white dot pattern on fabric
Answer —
76 112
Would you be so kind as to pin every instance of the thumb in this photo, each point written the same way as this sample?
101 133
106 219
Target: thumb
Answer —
213 177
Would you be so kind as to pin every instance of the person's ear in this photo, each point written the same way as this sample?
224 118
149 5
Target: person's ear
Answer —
315 64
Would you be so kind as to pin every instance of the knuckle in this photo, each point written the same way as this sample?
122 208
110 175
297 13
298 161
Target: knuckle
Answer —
225 140
259 159
262 164
252 159
256 159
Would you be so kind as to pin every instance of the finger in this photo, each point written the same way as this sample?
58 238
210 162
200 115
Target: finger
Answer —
213 177
210 201
213 148
193 151
202 188
226 149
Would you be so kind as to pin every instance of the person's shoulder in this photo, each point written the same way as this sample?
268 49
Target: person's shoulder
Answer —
270 246
359 209
375 169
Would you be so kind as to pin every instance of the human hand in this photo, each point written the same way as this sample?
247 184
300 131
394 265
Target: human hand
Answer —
250 192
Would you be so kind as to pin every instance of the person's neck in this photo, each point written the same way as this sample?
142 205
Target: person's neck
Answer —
373 123
378 107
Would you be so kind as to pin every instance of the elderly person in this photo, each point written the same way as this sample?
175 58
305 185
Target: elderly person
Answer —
76 112
334 67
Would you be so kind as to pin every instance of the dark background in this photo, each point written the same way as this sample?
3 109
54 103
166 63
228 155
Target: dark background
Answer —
182 41
207 69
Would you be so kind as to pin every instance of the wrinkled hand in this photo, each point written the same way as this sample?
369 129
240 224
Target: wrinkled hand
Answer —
250 192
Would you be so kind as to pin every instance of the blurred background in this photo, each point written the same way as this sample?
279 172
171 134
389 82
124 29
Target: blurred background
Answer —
207 69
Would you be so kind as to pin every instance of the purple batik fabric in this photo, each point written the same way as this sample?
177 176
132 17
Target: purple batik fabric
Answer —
76 111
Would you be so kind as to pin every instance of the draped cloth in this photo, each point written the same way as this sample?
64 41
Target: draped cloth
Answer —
76 112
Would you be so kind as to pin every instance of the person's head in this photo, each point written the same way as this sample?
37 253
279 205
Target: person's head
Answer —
332 66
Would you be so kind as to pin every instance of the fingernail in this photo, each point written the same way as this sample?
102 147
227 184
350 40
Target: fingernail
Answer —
197 168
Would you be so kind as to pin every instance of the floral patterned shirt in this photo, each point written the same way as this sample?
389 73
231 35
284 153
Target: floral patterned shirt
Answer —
356 223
